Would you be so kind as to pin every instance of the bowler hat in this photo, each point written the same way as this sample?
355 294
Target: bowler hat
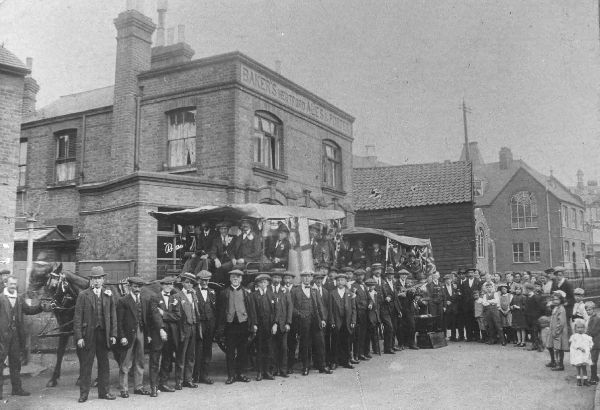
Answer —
377 265
389 270
167 280
289 273
403 272
306 273
187 276
277 272
97 272
370 282
559 269
262 276
204 275
136 280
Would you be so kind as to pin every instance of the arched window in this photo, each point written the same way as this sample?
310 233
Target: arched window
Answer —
332 165
480 243
268 133
523 210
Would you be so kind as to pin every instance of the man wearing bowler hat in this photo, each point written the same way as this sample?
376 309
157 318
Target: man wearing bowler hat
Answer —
95 331
169 307
207 309
236 320
132 318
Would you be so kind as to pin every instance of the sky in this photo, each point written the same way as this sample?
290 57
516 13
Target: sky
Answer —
528 71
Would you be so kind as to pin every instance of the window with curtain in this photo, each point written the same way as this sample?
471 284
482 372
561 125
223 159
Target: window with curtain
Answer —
534 252
181 137
268 131
523 210
65 155
22 162
518 252
480 243
332 165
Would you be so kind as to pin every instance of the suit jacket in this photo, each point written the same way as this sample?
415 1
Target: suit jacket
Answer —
342 310
325 300
376 256
249 249
153 322
280 251
222 251
84 322
204 243
361 299
358 258
265 312
207 309
21 308
189 312
171 316
297 294
373 308
452 298
223 305
284 308
127 322
468 303
388 308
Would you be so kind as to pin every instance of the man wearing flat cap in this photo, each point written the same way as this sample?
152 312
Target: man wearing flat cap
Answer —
283 319
343 320
450 306
235 320
223 252
95 332
266 325
132 316
207 309
185 356
325 295
169 308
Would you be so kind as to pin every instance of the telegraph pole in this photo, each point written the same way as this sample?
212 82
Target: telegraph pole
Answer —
466 110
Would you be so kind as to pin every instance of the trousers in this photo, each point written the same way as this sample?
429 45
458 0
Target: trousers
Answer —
97 348
133 356
236 342
13 350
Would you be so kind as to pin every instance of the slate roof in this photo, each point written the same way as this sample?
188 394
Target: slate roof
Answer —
411 185
495 179
74 103
8 59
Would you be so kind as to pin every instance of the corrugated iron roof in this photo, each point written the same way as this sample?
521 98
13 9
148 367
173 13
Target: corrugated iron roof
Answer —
74 103
411 185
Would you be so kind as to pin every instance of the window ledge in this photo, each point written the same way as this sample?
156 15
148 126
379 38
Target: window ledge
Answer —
185 170
269 173
333 191
61 185
526 263
522 229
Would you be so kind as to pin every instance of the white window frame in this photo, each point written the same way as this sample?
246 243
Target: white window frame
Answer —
518 252
181 138
523 210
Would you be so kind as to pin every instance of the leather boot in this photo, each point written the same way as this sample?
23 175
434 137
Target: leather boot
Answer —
153 391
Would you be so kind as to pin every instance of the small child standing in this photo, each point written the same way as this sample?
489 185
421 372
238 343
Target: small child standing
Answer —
479 316
505 313
579 308
517 307
579 352
593 329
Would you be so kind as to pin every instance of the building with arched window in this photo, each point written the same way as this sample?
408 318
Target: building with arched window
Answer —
172 133
534 221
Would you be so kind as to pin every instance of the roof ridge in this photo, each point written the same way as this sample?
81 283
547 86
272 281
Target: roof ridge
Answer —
412 164
87 91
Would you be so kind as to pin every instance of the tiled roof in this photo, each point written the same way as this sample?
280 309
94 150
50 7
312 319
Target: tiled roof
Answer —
74 103
495 179
411 185
22 235
8 59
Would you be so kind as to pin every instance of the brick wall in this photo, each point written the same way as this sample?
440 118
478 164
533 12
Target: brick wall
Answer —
11 97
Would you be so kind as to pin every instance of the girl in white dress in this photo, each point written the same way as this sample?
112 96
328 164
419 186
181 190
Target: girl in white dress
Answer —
579 354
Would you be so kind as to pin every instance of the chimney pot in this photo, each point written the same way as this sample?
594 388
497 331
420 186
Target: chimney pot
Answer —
170 35
29 62
181 33
505 158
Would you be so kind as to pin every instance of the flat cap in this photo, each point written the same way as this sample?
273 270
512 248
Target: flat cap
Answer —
341 276
578 291
360 271
559 269
167 280
370 282
377 265
306 273
403 272
236 272
318 275
187 276
262 276
136 280
289 273
204 275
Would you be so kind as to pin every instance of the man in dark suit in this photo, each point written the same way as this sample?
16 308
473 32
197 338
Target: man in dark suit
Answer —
324 296
248 244
407 322
156 336
235 320
342 311
358 256
207 308
468 304
223 252
323 249
169 307
199 260
461 277
562 283
361 340
435 299
188 324
264 307
373 318
310 321
390 311
283 319
450 306
131 328
95 332
278 249
292 337
376 255
12 333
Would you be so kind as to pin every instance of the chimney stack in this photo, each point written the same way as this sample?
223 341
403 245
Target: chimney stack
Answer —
162 16
134 42
579 179
506 158
30 90
169 53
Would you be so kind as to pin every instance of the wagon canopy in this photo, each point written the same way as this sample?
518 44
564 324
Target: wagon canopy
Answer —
371 233
236 211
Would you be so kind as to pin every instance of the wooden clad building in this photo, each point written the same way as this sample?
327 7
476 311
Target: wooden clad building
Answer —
432 201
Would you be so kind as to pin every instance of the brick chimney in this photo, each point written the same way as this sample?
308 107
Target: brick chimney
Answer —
506 158
30 90
579 179
134 42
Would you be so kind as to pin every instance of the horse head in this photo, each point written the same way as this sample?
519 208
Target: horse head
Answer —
44 277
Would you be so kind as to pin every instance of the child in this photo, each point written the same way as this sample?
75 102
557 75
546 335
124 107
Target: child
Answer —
374 320
505 311
579 353
559 333
517 307
491 313
579 308
593 329
479 316
534 309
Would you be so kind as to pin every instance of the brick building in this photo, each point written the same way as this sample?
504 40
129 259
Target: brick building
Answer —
534 220
590 194
429 201
176 133
13 87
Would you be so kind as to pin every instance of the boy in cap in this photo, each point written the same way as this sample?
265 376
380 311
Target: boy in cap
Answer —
169 308
266 325
534 308
236 318
207 308
132 316
578 307
95 332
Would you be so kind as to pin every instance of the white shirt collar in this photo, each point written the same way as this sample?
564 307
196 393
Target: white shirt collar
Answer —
10 295
341 292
